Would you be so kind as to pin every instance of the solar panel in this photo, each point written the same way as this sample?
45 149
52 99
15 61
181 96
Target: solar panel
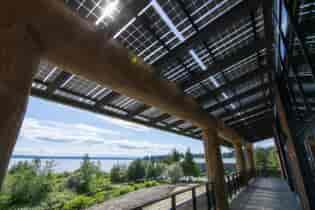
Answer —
181 43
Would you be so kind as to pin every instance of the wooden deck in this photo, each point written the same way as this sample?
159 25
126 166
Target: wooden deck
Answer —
266 194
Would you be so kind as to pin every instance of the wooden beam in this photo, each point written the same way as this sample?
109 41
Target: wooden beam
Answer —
240 161
250 157
215 169
76 46
19 57
60 79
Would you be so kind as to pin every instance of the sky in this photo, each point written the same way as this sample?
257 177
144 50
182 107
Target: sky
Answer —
54 129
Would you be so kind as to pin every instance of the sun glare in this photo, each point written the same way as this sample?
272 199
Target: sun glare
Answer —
108 11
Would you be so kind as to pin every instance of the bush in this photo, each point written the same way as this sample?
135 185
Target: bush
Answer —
100 197
5 201
79 203
126 190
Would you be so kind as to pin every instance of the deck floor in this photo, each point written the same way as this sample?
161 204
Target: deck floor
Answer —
266 194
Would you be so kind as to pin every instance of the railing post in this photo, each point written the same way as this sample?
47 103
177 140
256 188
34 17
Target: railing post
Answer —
209 199
214 200
228 184
194 199
173 202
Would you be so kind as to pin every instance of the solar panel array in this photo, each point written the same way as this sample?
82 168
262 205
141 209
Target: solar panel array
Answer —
212 49
302 72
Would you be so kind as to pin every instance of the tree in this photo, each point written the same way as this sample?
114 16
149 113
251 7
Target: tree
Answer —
267 160
84 181
118 174
136 170
29 182
174 172
153 169
175 156
261 158
190 168
273 161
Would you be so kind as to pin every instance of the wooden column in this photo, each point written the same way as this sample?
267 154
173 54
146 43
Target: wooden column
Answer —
18 60
250 158
215 169
240 161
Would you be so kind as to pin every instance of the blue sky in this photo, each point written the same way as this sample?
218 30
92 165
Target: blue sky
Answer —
54 129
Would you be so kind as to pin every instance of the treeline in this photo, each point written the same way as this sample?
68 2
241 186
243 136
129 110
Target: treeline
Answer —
172 167
163 157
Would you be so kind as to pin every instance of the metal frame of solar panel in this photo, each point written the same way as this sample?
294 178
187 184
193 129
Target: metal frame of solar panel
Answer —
226 35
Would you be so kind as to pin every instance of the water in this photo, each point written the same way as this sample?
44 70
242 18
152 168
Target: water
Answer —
68 164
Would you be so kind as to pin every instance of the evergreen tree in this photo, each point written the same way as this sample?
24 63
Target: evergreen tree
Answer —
136 170
190 168
117 174
175 156
85 179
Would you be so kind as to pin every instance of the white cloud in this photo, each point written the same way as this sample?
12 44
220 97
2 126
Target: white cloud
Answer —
265 143
44 130
58 138
124 124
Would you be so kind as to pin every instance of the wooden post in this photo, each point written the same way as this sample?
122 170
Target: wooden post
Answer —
240 162
19 58
250 159
215 169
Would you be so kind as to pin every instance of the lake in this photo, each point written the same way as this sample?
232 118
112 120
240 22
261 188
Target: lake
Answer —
71 164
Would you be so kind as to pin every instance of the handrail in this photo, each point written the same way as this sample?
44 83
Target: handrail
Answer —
234 182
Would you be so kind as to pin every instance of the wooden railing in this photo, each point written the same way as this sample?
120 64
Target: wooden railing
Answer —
199 197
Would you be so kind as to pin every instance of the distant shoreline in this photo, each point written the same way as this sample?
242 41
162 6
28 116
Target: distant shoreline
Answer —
70 157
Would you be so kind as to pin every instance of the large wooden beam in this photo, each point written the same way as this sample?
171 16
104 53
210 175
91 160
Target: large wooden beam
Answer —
75 45
18 61
215 169
240 161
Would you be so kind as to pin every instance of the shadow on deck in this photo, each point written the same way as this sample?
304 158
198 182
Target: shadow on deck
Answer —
266 194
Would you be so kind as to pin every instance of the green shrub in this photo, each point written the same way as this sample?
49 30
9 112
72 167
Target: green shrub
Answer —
5 201
126 190
78 203
100 197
